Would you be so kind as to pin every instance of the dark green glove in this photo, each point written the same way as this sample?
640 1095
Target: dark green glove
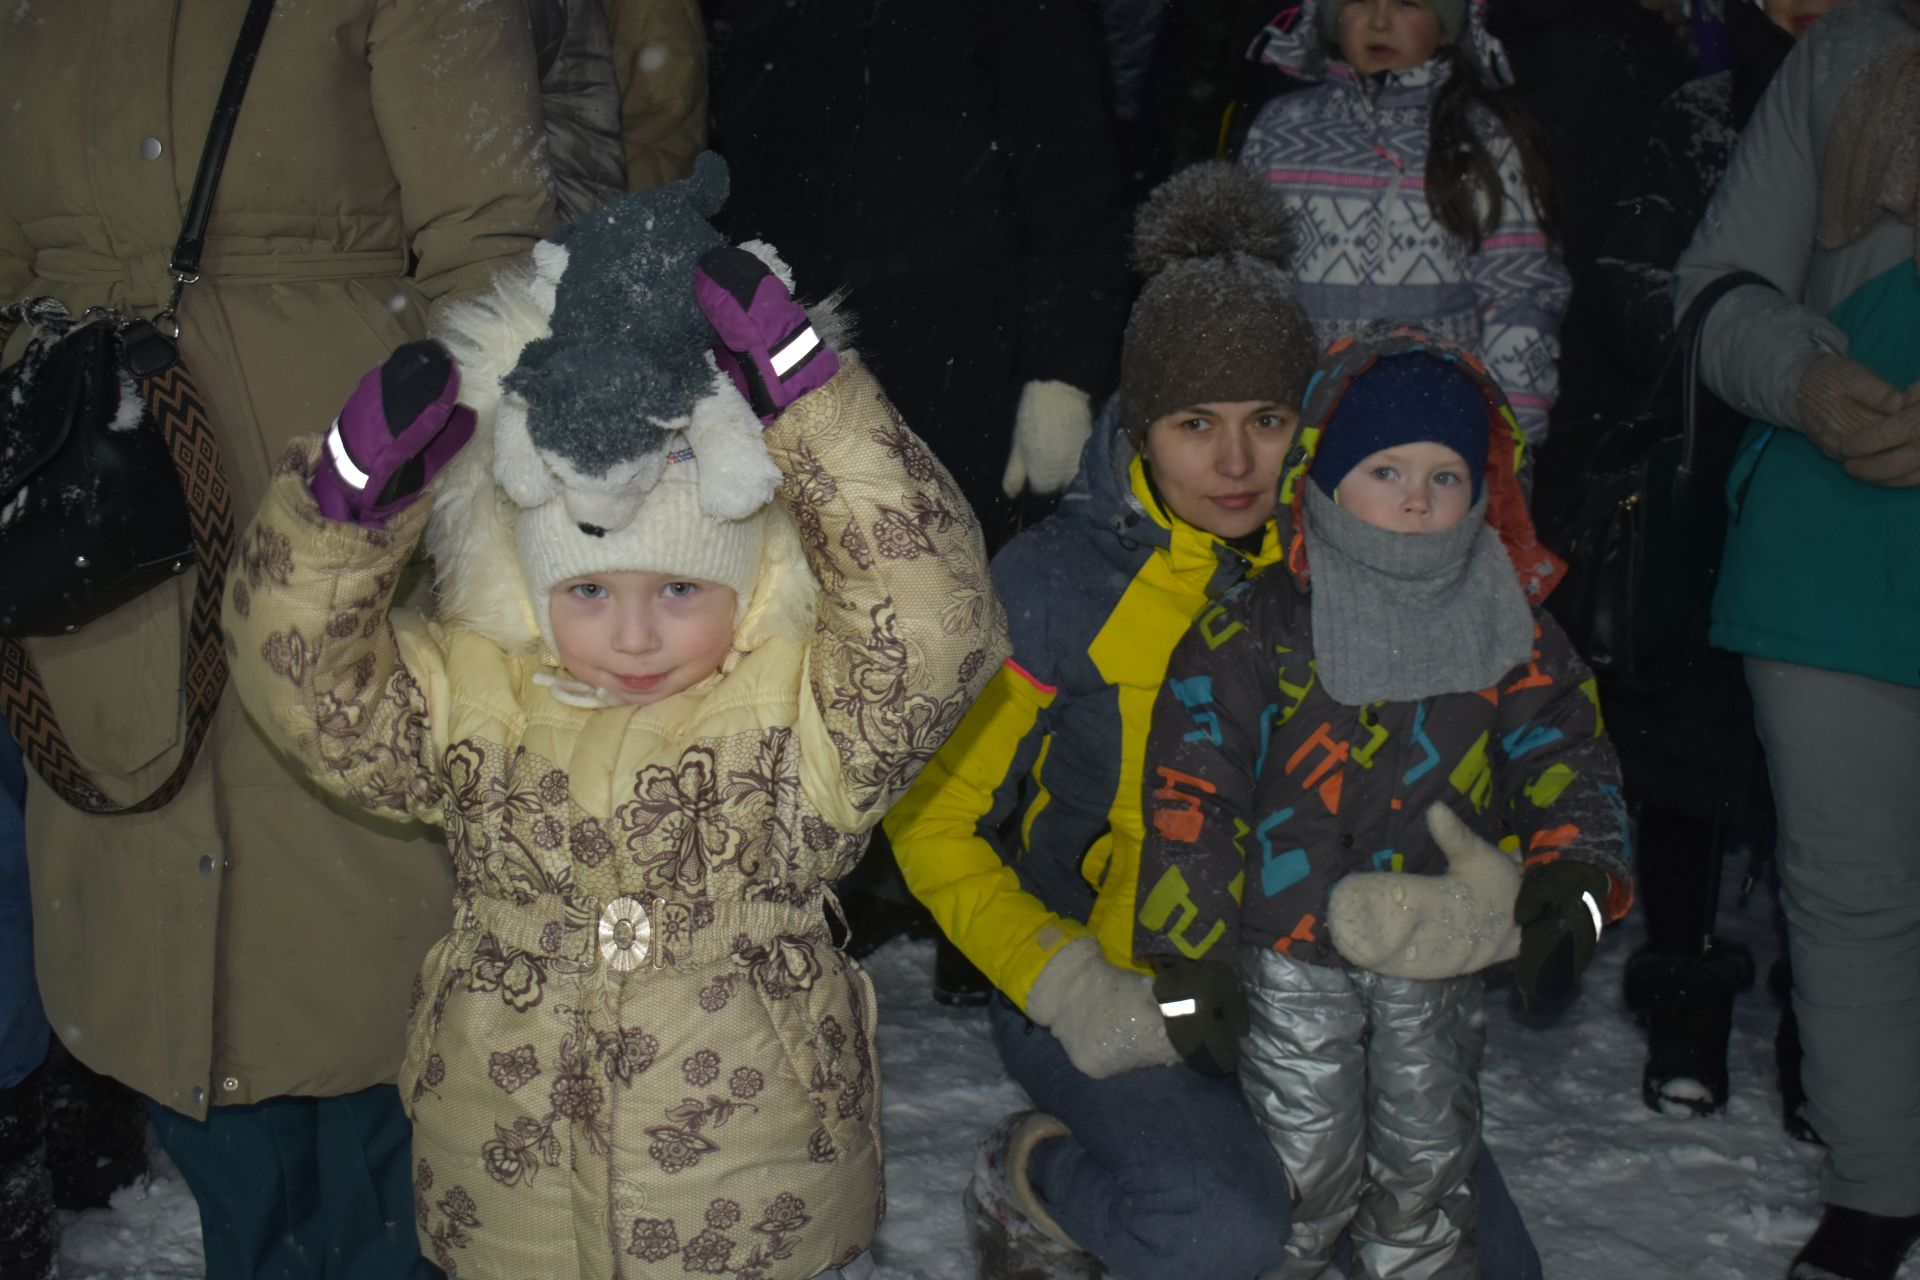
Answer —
1559 911
1205 1010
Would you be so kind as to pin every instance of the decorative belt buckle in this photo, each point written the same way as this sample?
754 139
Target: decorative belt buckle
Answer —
626 934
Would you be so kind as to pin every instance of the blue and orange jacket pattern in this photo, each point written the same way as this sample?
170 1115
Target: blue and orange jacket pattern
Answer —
1262 792
1024 832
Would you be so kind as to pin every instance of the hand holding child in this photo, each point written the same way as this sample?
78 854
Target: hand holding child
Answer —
1560 919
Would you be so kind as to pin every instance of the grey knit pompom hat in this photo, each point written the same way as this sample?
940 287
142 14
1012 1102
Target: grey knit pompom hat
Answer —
1217 319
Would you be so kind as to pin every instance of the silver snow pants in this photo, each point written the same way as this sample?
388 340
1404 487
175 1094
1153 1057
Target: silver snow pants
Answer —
1368 1087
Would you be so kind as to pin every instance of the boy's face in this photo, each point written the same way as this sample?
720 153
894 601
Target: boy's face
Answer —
1218 464
1422 487
642 637
1388 35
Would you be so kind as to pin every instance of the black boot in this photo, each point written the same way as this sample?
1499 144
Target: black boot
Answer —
96 1131
1687 1002
1850 1244
29 1232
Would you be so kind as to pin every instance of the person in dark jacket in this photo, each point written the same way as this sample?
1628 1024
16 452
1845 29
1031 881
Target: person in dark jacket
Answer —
958 152
1568 56
1334 750
1691 796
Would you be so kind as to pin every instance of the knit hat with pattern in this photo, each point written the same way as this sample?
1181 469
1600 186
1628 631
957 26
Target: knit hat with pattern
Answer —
670 533
1218 319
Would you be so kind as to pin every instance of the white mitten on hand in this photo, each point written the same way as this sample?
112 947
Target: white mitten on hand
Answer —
1049 429
1428 927
1104 1016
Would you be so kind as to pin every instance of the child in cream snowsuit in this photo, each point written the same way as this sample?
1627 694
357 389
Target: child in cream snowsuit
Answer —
637 1051
1336 744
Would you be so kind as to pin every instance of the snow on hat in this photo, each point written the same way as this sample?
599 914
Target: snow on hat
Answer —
587 408
1217 319
1401 399
671 533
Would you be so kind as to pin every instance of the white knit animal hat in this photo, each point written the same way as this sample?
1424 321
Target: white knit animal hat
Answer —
670 532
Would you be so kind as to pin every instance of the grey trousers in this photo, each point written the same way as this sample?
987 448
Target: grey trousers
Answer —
1843 752
1368 1087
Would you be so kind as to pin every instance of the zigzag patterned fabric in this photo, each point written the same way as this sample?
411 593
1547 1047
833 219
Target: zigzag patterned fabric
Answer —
1351 164
173 399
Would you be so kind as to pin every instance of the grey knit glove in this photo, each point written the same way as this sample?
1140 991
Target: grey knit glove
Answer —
1888 452
1105 1017
1839 399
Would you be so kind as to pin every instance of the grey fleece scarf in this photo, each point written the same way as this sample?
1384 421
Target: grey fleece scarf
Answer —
1399 617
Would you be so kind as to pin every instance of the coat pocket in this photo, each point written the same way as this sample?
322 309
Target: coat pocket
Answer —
825 1032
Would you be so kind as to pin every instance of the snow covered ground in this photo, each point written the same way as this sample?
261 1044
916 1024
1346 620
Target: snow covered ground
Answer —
1609 1189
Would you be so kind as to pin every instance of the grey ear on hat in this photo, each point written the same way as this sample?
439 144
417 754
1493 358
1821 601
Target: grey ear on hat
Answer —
707 187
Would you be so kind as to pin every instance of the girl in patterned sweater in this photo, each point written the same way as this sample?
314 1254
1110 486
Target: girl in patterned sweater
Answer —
1419 194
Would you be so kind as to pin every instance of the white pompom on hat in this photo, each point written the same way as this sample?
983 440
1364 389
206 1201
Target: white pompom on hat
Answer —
670 533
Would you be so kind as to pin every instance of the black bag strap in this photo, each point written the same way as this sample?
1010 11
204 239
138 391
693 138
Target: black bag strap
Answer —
185 264
1689 339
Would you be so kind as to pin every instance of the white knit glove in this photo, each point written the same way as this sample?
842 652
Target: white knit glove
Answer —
1049 429
1104 1016
1428 927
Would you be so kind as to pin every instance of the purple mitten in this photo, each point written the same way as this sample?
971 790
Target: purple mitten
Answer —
766 345
398 429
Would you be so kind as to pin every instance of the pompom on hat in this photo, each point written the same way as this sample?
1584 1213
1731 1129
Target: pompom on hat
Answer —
1217 319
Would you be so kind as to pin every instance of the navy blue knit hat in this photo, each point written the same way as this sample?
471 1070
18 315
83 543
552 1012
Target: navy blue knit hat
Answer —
1399 400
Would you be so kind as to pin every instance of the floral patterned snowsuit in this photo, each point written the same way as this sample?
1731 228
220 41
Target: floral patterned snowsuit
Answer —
637 1052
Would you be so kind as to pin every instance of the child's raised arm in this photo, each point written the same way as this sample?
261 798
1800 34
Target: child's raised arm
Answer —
313 654
908 625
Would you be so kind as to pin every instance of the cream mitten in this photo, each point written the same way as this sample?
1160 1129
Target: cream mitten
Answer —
1838 398
1105 1017
1050 427
1429 927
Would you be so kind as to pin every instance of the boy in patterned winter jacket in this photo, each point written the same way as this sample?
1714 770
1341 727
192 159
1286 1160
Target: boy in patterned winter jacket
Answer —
653 734
1336 745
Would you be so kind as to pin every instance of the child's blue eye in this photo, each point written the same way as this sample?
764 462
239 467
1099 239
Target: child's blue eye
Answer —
589 591
680 590
1447 478
1384 473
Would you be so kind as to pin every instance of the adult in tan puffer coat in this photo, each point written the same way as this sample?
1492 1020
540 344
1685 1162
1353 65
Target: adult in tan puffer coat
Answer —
252 942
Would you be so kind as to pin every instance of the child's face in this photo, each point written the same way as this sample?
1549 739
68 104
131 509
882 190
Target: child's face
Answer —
1218 464
1388 35
1422 487
642 637
1795 16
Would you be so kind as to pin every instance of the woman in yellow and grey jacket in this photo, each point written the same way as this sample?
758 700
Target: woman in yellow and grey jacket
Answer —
1023 835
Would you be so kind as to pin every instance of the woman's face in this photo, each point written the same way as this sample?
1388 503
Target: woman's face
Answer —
1217 465
1795 16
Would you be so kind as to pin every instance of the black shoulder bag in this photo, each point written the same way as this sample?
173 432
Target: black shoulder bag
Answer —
96 417
1643 535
